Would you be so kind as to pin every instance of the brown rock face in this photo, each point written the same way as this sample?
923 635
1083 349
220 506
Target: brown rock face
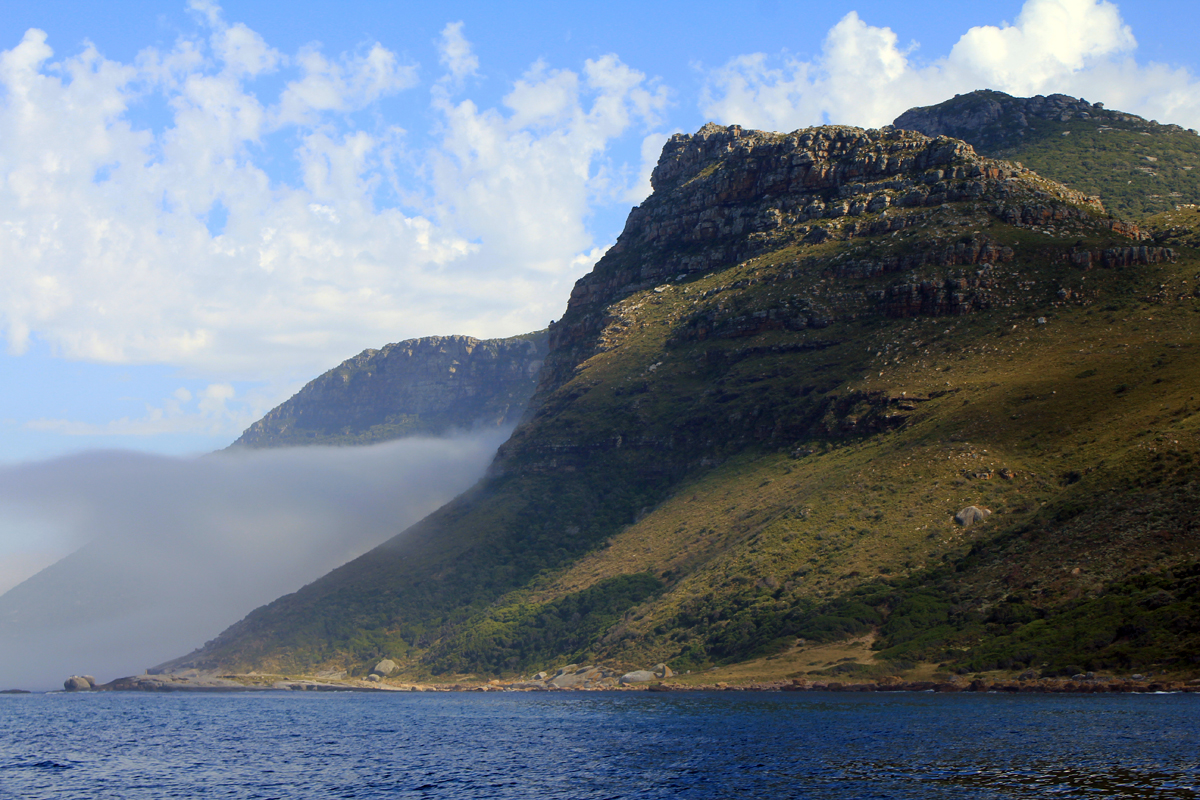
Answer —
983 116
725 194
418 386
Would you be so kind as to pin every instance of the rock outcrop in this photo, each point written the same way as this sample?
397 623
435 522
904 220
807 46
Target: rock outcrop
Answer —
970 515
989 118
725 194
384 668
638 676
419 386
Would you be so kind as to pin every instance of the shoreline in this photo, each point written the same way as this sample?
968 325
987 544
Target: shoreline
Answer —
236 684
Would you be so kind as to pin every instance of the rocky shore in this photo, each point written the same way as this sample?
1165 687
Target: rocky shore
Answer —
659 678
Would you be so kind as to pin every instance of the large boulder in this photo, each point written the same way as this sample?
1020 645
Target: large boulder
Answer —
77 683
970 515
662 671
384 668
578 677
638 676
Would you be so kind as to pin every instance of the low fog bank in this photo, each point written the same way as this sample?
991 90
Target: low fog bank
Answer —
172 551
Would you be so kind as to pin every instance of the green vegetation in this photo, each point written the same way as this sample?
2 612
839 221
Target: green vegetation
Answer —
529 636
1135 172
1147 621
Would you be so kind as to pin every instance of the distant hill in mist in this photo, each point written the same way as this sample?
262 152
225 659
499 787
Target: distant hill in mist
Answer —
418 387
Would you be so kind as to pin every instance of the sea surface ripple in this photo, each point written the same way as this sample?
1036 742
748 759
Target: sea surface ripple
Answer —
598 745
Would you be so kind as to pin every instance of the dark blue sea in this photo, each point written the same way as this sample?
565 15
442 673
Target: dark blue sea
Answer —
598 745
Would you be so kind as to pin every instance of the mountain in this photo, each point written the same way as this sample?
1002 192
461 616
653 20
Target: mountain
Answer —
1138 167
424 386
763 410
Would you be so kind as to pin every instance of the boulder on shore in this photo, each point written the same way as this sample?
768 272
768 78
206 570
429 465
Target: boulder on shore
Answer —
384 668
638 676
79 683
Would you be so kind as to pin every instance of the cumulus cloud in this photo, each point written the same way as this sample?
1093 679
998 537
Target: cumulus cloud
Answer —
863 76
189 244
520 181
168 552
455 52
522 178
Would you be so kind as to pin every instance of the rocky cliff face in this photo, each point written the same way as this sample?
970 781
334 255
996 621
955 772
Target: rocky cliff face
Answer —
989 120
725 195
418 386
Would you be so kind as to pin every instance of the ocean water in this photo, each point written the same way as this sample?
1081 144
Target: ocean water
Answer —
598 745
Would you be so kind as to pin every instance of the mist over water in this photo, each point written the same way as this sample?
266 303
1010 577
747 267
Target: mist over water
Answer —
171 551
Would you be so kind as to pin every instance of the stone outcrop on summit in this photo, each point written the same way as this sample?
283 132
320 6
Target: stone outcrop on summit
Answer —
988 118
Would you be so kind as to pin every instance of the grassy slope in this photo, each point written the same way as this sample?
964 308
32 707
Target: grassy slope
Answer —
1137 170
1087 411
713 500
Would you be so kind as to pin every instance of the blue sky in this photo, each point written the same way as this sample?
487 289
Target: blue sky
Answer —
203 206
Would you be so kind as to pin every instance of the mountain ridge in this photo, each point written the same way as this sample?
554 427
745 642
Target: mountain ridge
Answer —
785 316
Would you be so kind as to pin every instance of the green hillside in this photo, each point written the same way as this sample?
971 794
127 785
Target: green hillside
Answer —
761 412
1138 167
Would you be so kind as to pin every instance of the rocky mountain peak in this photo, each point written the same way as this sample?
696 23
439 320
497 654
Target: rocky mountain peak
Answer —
970 115
763 410
725 194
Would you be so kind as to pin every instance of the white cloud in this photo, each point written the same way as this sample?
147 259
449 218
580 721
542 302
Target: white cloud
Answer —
864 77
105 246
455 52
522 180
350 85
